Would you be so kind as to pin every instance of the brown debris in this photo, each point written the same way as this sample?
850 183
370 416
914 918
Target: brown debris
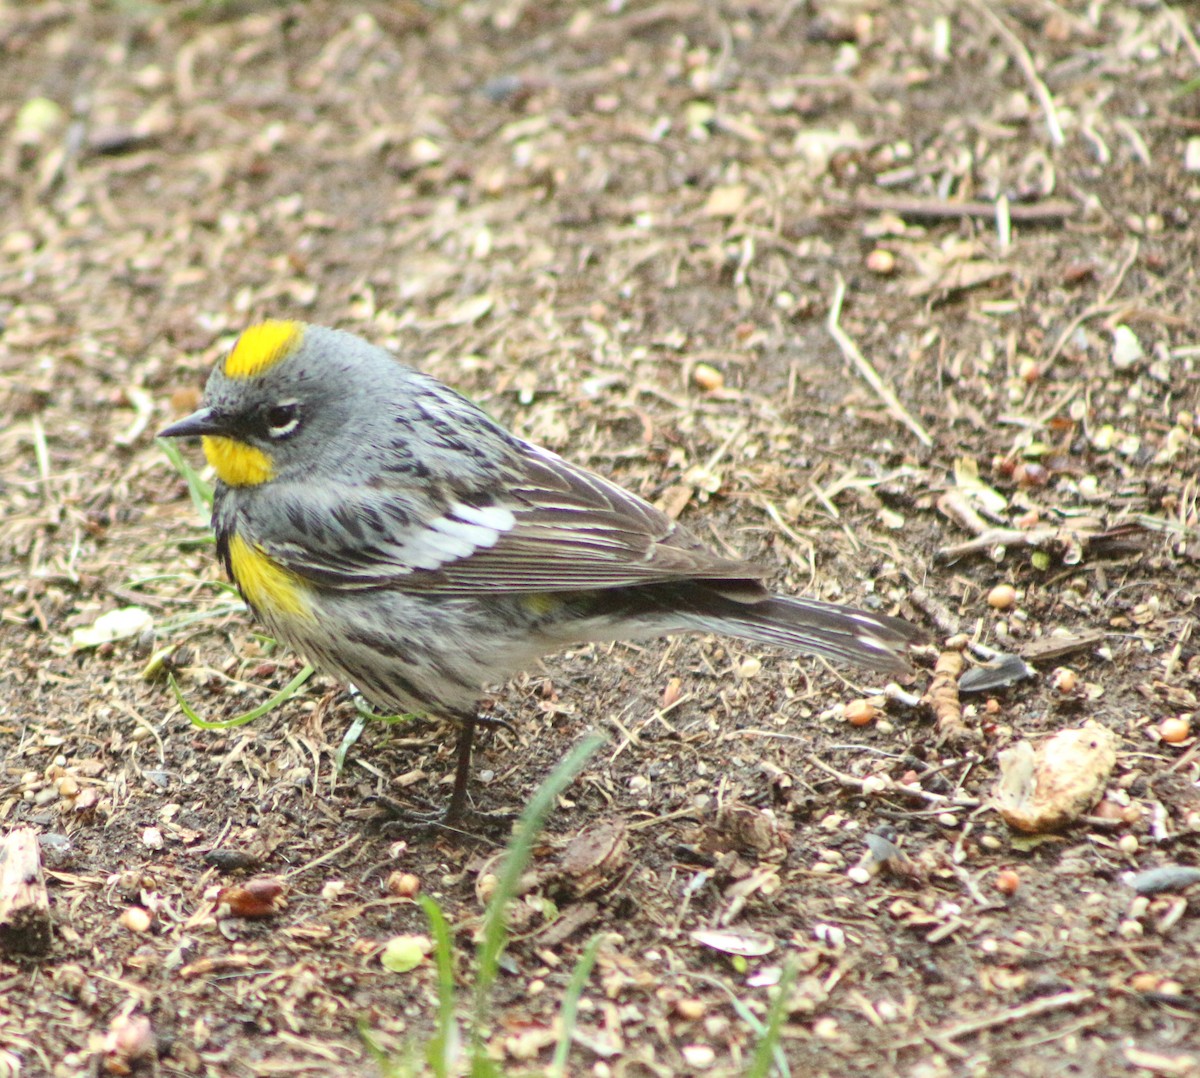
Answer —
24 903
594 858
942 698
1047 788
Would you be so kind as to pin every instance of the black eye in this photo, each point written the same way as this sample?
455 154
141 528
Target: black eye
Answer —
282 419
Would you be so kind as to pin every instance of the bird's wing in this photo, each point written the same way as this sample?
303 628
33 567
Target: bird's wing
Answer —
556 527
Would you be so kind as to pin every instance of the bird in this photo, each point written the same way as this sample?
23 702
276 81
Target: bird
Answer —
396 536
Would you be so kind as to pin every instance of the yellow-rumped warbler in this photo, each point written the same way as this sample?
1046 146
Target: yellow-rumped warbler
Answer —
398 537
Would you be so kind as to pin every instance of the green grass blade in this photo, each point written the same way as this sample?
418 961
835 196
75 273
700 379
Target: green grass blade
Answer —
281 697
495 925
443 1046
200 492
570 1006
769 1050
349 740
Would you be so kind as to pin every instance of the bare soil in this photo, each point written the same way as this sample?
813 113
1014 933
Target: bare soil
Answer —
621 227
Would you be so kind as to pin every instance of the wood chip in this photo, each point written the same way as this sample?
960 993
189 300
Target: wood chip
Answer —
24 903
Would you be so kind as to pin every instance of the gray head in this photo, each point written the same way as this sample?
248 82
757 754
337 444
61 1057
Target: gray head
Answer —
292 400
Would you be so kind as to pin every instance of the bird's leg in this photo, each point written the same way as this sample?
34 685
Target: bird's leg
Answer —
462 768
458 816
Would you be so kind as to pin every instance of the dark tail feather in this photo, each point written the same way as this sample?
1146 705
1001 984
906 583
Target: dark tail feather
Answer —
836 632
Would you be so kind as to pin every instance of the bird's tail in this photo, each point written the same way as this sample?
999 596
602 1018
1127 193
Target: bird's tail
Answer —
835 632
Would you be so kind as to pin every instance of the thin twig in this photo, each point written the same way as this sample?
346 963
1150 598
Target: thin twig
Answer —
1032 1009
893 787
1184 31
1025 62
937 209
864 368
1102 306
328 856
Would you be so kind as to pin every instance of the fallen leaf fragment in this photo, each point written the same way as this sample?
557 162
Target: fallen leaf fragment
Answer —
1047 788
255 898
730 941
115 625
402 954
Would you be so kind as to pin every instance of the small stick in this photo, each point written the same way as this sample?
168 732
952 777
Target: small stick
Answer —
1021 54
893 787
937 611
1032 1009
329 856
24 903
1184 31
1051 209
1104 305
942 696
864 368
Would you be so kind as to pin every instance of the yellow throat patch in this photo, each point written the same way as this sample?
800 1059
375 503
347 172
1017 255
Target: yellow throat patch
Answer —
260 347
237 464
271 589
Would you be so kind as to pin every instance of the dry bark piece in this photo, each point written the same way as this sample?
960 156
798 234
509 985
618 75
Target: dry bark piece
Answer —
999 672
24 903
594 858
942 697
748 828
1061 643
1165 878
262 897
225 860
1050 787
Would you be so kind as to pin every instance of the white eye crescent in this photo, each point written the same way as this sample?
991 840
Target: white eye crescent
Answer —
283 418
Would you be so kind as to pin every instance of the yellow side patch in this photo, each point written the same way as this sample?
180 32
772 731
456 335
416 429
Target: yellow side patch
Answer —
268 587
260 347
236 463
541 603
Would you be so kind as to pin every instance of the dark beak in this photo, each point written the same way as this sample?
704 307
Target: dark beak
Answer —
203 421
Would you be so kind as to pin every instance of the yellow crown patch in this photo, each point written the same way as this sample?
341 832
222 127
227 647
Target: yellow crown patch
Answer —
260 347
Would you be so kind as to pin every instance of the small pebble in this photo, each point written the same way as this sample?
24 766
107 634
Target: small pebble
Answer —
748 668
861 712
1002 597
1174 730
881 261
1166 878
707 377
700 1056
1064 680
1007 881
690 1009
136 919
403 885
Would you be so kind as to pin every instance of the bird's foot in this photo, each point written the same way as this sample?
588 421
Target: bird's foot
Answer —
399 819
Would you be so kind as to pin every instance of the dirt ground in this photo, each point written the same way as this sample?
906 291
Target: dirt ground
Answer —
622 227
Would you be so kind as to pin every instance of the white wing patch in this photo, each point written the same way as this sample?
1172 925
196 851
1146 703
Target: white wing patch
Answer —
461 531
496 517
